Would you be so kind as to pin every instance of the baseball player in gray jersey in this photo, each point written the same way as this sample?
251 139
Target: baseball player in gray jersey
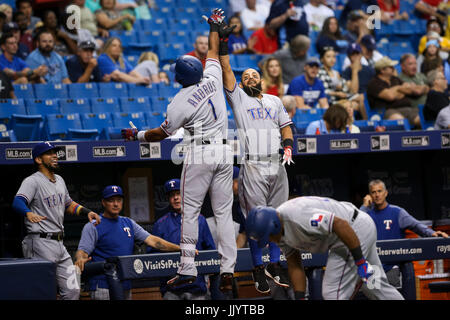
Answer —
263 128
199 107
320 225
43 199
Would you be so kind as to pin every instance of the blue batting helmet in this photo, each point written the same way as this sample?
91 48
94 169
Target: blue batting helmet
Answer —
188 70
172 185
261 223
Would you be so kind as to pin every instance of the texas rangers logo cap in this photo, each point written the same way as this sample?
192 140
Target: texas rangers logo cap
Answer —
111 191
172 185
43 147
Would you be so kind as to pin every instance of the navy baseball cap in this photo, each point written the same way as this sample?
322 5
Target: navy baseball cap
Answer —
43 147
368 41
172 185
313 62
111 191
10 26
354 47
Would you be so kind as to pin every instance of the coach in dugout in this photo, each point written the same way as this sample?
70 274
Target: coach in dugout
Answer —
114 236
391 222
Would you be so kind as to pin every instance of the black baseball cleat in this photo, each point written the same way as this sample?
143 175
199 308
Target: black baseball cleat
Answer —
181 279
226 283
274 272
259 277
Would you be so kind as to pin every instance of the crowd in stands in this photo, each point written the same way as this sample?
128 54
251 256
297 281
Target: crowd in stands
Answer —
321 52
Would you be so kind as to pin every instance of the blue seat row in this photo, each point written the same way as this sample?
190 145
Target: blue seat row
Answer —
93 89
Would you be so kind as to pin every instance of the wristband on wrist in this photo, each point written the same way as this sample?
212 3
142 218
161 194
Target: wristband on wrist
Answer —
357 253
80 210
223 47
299 295
141 136
288 143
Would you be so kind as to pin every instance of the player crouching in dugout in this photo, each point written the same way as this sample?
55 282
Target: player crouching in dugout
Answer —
114 236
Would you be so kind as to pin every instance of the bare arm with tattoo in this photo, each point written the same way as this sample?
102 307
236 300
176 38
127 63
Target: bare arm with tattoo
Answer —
161 244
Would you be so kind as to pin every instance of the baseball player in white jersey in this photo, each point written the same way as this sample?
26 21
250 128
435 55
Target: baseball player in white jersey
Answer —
199 107
263 128
320 225
43 199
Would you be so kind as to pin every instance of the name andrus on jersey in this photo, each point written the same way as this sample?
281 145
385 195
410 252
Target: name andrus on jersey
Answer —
203 92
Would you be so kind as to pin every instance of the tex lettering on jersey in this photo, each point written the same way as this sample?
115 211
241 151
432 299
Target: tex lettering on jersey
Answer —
54 200
262 113
203 92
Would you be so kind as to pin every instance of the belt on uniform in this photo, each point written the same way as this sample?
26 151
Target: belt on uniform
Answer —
207 141
53 236
355 214
257 157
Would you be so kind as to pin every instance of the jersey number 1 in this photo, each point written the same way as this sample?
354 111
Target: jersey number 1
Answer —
213 109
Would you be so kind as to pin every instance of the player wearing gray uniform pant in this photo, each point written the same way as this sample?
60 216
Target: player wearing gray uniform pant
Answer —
199 107
319 225
43 199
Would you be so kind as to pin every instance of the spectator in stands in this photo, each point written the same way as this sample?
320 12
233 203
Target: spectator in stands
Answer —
272 78
369 53
64 44
316 14
25 37
292 59
148 66
358 74
2 22
237 42
26 7
83 67
353 6
430 59
22 51
437 97
418 80
387 92
111 62
331 36
356 27
6 89
87 19
443 119
429 8
390 11
109 18
163 77
334 120
113 236
291 17
263 41
8 11
200 49
14 67
435 30
78 35
336 88
46 56
169 228
351 127
391 222
254 15
308 89
290 105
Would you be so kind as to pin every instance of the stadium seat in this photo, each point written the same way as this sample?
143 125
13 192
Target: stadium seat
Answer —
79 105
99 121
178 36
395 125
56 126
365 125
83 134
169 52
183 24
84 90
188 4
186 10
8 136
152 37
51 91
138 104
27 127
159 104
8 107
24 91
426 125
164 12
167 90
122 119
112 90
307 115
153 121
42 107
102 105
156 24
137 90
245 61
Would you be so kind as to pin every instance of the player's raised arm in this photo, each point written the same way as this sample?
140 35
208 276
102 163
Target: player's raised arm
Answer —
215 20
229 80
